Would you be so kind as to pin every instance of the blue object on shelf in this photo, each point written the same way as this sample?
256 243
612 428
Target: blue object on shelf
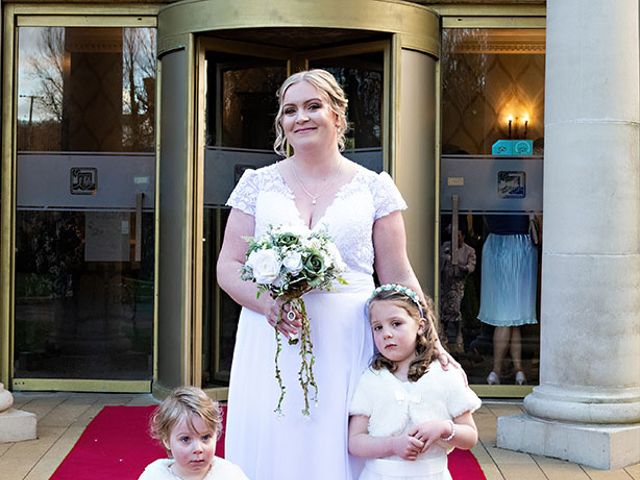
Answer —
512 148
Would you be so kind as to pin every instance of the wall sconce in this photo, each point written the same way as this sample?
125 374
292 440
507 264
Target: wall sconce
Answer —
513 126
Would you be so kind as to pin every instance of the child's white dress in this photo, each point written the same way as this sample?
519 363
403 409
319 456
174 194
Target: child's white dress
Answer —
394 406
222 470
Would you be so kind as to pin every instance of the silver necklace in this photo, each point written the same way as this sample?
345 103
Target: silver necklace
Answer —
312 197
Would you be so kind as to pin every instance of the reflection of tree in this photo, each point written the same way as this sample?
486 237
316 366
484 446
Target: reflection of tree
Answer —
139 71
248 105
50 248
48 70
463 76
363 87
43 70
464 69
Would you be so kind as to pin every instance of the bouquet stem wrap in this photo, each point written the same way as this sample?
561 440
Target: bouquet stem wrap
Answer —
307 359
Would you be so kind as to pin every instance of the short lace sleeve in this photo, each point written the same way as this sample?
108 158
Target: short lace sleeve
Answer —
387 198
461 398
362 400
245 194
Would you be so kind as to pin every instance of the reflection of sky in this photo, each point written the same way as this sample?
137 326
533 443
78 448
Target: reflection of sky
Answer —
28 39
30 85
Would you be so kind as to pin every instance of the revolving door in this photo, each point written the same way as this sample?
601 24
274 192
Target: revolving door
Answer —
221 68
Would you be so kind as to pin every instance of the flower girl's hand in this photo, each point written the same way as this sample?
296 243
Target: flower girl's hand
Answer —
276 314
430 432
407 447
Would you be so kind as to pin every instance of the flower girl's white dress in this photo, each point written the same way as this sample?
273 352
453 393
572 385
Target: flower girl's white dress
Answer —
394 406
295 447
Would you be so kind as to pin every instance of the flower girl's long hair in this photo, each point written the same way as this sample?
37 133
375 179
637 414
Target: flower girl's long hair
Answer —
425 349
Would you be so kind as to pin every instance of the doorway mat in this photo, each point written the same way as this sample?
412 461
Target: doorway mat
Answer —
117 445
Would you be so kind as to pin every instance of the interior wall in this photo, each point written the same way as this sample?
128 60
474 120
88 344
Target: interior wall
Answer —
478 94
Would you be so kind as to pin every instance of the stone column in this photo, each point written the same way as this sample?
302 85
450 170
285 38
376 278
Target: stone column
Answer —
6 399
587 407
15 425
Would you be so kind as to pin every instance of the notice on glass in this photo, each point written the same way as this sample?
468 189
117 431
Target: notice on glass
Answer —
106 237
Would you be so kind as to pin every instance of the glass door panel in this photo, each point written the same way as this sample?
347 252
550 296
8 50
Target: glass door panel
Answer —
362 78
84 260
492 99
240 109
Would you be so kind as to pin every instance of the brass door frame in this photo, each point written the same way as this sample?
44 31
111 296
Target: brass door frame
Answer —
416 25
30 15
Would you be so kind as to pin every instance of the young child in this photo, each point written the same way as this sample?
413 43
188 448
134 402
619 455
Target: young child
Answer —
407 412
188 425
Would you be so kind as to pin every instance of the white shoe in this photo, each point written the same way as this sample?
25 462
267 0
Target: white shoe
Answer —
520 378
493 378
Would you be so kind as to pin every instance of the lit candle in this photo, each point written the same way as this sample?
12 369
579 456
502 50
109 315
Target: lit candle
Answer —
510 122
526 125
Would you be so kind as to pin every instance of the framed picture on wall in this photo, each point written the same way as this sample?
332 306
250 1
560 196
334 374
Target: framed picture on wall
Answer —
511 184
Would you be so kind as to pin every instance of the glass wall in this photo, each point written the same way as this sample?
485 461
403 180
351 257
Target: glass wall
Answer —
85 222
491 201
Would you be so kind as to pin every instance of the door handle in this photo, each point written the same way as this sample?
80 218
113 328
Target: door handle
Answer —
455 201
138 245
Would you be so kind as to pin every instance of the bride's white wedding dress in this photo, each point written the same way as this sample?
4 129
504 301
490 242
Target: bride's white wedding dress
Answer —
294 447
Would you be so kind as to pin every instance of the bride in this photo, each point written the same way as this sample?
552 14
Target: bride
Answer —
361 210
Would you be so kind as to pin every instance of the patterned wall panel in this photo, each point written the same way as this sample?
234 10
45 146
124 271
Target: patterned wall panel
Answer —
487 78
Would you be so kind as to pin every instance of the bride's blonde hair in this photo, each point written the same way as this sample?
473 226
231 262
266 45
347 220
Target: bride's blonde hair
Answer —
329 89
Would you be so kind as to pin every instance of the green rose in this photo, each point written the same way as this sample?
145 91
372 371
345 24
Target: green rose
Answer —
287 239
314 265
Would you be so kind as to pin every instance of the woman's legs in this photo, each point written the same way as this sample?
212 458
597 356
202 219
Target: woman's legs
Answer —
501 340
516 348
507 338
516 355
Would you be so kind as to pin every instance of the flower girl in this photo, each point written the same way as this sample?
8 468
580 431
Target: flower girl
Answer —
407 412
188 424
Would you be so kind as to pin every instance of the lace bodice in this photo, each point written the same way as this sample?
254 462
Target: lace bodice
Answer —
349 219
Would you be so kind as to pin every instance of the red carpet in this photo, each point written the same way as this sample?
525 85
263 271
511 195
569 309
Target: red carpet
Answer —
464 466
116 445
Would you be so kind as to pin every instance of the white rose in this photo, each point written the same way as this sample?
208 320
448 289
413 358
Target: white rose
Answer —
293 262
265 265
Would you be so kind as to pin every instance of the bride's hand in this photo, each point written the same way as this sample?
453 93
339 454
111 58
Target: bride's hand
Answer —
447 360
276 311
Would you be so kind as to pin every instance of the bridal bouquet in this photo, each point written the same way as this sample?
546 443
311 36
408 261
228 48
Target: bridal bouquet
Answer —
287 262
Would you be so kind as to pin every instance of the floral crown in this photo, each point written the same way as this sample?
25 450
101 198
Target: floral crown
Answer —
397 288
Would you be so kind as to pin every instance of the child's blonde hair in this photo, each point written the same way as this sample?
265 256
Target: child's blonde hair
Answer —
408 300
328 88
185 402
